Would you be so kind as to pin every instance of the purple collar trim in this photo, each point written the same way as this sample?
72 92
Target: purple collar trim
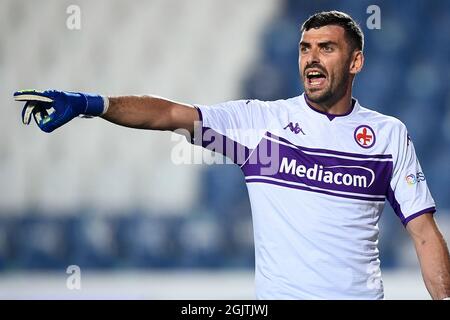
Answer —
329 115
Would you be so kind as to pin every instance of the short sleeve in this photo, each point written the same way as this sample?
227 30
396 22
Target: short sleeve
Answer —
233 128
408 192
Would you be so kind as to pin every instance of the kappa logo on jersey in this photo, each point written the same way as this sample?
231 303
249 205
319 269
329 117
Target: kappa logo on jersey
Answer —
364 136
295 129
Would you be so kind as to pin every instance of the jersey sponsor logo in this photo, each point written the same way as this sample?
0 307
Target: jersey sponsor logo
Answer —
412 179
356 176
348 175
295 129
364 136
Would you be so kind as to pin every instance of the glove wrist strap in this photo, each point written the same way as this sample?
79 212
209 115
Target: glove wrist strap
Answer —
105 104
96 105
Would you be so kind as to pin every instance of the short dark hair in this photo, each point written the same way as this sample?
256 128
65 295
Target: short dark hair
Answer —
353 32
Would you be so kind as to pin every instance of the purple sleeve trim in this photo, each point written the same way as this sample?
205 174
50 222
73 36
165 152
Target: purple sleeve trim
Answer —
415 215
396 206
200 115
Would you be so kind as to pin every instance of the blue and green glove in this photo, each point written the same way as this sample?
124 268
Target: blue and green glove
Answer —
51 109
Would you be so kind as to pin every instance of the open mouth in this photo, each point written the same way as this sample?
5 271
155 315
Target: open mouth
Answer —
315 78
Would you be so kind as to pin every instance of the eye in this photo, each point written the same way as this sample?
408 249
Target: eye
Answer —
328 49
303 49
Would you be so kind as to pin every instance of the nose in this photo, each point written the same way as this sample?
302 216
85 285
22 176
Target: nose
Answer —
313 57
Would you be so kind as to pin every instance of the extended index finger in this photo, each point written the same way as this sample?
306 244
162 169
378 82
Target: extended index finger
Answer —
31 95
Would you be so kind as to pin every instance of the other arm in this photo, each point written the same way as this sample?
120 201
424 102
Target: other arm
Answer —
433 255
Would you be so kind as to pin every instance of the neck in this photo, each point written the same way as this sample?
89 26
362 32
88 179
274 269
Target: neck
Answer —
339 106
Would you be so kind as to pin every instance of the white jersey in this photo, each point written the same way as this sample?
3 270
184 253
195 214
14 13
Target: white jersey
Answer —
317 185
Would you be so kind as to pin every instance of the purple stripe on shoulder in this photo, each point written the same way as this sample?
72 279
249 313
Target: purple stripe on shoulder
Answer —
390 195
340 153
281 184
417 214
212 140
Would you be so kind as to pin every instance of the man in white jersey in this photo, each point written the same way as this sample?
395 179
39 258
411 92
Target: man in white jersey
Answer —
318 168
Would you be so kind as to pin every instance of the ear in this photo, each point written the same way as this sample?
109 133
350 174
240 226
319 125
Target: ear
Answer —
357 62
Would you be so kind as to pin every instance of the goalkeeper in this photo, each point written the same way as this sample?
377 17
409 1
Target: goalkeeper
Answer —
315 217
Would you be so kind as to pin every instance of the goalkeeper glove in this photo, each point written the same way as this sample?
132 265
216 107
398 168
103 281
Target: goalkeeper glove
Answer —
51 109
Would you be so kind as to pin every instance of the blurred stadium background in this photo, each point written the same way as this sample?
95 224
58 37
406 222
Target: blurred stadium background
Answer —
109 200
